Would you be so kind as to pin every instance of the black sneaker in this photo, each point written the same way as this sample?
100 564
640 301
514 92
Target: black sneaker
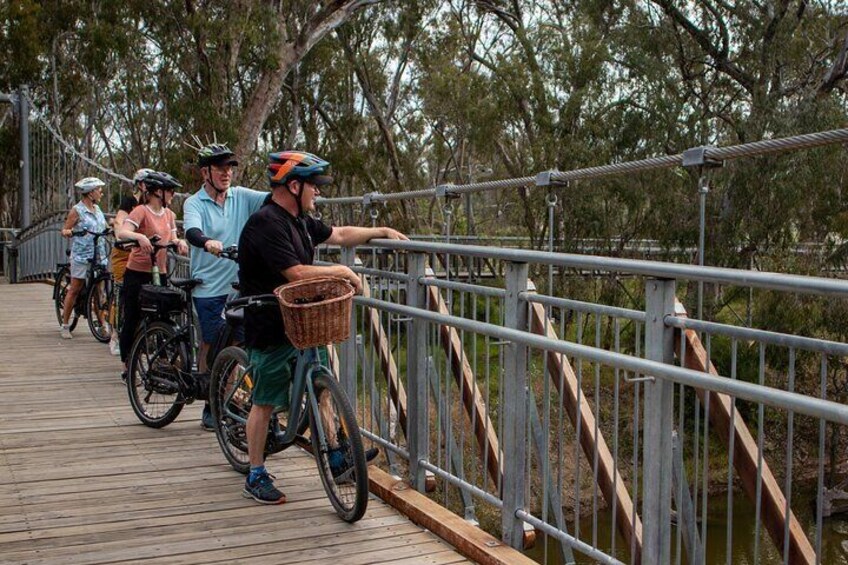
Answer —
207 423
262 490
340 464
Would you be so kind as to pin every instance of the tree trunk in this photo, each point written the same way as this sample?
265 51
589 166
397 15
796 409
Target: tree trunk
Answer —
289 55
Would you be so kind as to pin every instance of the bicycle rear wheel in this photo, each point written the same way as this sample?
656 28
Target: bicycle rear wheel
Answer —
60 291
337 448
97 306
230 391
153 380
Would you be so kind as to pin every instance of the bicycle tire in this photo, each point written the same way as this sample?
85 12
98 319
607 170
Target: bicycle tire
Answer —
348 491
227 372
97 304
159 377
60 291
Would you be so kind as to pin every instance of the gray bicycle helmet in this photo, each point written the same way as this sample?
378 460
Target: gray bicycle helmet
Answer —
88 184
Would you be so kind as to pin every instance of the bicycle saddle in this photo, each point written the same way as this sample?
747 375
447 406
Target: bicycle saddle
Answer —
186 284
235 317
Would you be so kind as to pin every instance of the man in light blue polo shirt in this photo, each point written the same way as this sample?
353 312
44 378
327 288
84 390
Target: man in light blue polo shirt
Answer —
213 219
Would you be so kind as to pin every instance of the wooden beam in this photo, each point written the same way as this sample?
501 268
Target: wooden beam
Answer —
469 540
773 505
611 484
484 429
387 361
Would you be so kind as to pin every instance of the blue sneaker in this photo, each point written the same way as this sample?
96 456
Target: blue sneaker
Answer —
207 423
262 490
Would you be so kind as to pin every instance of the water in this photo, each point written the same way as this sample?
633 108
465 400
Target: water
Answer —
834 535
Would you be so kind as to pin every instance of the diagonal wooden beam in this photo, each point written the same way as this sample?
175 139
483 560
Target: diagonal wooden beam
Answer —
611 484
484 429
773 505
380 342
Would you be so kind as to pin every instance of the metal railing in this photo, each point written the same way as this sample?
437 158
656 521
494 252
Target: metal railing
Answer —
34 251
605 428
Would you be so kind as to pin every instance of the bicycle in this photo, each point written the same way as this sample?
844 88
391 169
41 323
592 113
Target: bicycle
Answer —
162 374
94 300
317 402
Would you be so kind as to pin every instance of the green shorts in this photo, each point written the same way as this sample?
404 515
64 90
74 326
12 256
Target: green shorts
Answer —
273 369
273 372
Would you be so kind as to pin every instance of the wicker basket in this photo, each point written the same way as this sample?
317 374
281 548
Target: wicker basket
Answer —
316 311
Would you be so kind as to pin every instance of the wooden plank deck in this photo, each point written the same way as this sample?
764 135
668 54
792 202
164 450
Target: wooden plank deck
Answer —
82 481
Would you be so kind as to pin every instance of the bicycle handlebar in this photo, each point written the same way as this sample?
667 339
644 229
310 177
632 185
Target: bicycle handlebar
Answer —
126 244
230 253
85 231
248 301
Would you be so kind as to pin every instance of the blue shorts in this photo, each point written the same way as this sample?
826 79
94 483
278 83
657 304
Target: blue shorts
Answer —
210 314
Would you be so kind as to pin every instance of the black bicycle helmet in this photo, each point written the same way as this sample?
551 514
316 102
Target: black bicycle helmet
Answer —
216 154
158 180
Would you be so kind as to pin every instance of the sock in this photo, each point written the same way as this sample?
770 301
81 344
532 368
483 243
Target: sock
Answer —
255 472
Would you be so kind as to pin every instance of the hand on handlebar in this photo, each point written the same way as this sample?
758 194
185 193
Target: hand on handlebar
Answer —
213 246
144 244
182 248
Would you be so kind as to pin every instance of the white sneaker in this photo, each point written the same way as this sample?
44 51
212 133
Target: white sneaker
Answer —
107 329
114 347
65 333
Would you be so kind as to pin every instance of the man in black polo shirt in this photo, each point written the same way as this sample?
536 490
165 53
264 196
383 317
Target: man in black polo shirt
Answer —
277 246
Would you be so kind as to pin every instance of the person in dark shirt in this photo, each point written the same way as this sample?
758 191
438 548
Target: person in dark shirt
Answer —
277 246
119 257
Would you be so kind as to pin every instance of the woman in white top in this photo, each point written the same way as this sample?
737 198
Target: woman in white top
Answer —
85 215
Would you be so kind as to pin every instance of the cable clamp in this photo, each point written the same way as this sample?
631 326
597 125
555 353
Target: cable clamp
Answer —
444 191
699 157
546 178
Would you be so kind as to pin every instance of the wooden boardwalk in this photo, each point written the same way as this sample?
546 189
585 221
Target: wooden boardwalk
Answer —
82 481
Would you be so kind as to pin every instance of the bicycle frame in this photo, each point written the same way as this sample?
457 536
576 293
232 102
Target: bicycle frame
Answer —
93 271
306 367
182 332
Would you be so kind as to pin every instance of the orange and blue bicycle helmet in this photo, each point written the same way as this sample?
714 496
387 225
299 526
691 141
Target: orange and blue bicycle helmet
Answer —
284 166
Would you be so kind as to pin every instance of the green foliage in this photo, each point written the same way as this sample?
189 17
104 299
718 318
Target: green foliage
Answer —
406 96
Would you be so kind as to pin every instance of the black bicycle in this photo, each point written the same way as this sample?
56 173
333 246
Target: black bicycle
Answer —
94 300
162 373
317 404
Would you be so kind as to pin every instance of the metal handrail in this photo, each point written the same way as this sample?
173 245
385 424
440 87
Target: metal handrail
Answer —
663 270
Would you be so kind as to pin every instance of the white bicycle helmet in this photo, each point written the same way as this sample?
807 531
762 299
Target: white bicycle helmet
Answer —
88 184
141 174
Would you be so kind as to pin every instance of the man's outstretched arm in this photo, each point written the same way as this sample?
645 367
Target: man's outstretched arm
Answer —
349 236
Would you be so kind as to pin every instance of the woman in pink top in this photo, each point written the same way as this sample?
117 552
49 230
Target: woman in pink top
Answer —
145 221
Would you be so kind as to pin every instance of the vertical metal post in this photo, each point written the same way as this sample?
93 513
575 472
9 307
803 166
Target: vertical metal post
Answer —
347 357
418 421
23 115
703 189
658 426
514 412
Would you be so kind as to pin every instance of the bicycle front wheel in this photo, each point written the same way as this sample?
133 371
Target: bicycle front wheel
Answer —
97 306
337 447
60 291
153 381
230 391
